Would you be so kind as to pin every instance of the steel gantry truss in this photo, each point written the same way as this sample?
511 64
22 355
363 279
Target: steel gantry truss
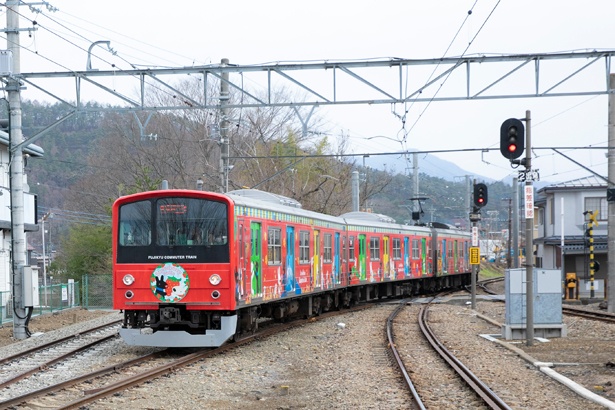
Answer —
390 81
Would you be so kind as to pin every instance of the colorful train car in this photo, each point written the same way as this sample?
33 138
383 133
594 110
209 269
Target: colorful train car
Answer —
194 268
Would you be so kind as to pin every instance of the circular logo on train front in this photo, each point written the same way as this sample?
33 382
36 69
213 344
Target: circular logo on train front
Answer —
170 282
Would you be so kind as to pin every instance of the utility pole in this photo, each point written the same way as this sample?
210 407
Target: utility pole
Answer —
509 242
18 236
224 125
611 200
529 234
515 226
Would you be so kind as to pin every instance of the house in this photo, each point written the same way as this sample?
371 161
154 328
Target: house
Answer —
30 215
562 216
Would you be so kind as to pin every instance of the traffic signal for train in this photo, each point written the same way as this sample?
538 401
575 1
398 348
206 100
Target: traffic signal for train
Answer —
480 195
512 138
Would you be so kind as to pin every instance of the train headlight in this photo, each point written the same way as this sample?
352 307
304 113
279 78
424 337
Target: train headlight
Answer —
215 279
215 294
128 280
129 294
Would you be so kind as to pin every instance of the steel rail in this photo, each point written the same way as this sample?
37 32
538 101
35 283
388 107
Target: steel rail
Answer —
75 380
55 342
96 394
398 359
57 359
601 316
485 393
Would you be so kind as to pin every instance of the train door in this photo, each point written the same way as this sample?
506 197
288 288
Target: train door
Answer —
443 255
362 261
243 268
256 271
289 271
344 275
385 258
316 282
406 257
455 257
336 259
424 265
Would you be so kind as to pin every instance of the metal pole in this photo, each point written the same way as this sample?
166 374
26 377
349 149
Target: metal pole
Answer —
611 188
474 274
509 244
474 218
44 257
562 241
515 234
224 125
18 236
355 191
529 233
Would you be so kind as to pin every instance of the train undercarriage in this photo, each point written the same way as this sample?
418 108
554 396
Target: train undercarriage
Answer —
173 325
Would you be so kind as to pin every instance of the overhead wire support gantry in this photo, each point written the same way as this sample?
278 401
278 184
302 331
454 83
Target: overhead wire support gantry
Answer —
323 86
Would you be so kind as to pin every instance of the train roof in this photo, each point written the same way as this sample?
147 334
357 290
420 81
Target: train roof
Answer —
277 203
369 219
266 197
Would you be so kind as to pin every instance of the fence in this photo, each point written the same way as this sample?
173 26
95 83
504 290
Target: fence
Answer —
94 292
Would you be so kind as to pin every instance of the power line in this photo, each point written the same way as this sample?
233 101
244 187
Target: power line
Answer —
439 151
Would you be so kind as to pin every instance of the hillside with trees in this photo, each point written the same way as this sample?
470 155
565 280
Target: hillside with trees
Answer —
93 158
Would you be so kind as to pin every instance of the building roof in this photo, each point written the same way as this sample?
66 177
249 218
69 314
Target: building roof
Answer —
31 149
591 181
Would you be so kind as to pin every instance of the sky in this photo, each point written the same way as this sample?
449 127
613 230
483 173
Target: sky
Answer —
195 32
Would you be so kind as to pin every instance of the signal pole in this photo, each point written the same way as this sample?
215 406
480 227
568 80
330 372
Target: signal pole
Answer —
480 198
511 146
529 234
18 236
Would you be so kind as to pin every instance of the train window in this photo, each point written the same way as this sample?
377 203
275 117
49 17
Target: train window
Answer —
190 221
274 246
396 248
135 223
327 249
304 247
374 248
351 257
415 249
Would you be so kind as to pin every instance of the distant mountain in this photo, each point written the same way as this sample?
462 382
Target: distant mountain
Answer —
428 164
434 167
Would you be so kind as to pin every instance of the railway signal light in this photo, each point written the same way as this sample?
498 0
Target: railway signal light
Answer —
480 195
512 138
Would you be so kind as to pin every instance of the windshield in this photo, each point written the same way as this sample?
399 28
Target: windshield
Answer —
176 228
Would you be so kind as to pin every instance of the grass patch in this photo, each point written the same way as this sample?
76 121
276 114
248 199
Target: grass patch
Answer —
490 270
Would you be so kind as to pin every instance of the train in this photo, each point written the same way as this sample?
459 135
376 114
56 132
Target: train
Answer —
194 268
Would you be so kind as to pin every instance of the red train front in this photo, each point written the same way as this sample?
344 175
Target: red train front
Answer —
173 264
195 268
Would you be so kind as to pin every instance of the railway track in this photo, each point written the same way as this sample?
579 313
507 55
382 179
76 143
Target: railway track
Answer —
589 314
46 361
566 309
398 360
480 389
103 382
